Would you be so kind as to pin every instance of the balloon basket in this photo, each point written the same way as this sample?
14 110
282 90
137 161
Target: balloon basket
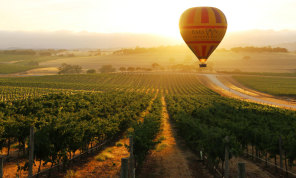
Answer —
202 65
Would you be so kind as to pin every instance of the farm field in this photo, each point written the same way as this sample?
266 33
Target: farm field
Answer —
72 113
219 61
166 57
19 58
274 85
13 63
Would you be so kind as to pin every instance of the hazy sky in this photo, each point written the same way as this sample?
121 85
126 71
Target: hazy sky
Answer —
139 16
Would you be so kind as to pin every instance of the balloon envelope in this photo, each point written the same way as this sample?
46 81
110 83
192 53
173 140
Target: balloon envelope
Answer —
203 28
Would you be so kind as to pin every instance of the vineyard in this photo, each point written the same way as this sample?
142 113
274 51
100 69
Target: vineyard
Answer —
169 83
73 113
205 121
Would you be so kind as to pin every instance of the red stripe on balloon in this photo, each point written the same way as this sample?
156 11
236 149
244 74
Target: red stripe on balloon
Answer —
198 42
211 50
203 49
191 15
204 15
190 27
217 15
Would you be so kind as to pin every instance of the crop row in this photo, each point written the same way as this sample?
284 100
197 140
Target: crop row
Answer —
171 83
205 120
66 123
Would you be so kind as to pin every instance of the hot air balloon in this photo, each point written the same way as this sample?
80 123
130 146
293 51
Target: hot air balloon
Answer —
202 29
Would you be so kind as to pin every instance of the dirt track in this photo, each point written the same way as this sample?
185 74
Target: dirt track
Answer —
171 158
227 86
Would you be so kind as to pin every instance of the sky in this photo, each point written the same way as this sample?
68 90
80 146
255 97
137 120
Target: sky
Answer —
159 17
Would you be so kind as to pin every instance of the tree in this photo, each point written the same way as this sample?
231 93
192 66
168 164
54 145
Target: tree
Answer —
131 69
155 65
69 69
122 69
107 69
45 53
71 55
91 71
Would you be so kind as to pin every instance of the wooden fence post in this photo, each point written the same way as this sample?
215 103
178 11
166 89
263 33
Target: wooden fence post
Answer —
31 151
1 167
281 152
241 170
226 170
124 168
132 158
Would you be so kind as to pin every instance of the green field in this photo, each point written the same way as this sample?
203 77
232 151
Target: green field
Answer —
280 86
13 63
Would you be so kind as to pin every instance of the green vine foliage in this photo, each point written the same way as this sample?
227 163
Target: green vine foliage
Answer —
205 120
65 123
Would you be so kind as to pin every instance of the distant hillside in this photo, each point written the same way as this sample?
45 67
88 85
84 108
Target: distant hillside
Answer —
284 38
70 40
289 46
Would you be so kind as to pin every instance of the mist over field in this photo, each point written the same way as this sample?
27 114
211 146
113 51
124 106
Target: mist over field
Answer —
84 39
70 40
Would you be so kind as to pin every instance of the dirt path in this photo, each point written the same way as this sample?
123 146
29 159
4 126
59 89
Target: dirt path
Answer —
252 169
228 87
171 158
105 164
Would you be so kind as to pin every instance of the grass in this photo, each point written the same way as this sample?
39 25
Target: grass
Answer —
160 147
161 138
259 73
71 174
104 156
119 144
109 150
279 86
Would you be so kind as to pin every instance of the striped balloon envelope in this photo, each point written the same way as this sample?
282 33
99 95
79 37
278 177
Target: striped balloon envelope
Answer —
203 28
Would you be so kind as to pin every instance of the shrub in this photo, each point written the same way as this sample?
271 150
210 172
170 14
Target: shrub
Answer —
131 69
122 69
107 69
69 69
91 71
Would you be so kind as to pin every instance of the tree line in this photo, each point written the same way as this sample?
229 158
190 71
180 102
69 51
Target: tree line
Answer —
45 52
259 49
182 48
